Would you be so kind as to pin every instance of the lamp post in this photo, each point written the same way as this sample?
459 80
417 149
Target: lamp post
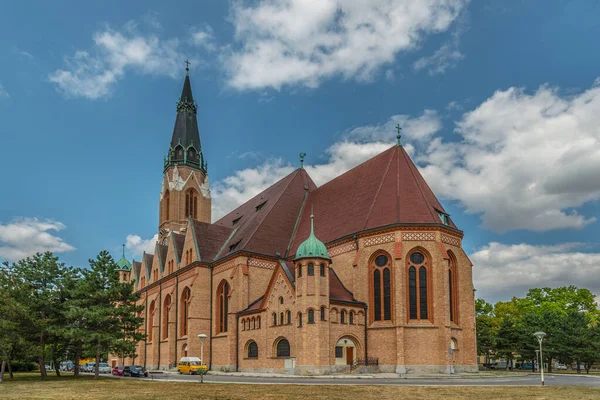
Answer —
537 358
202 338
540 336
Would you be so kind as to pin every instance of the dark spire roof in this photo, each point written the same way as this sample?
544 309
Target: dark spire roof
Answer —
185 132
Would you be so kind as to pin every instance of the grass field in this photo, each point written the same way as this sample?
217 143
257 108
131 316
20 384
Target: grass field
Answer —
30 386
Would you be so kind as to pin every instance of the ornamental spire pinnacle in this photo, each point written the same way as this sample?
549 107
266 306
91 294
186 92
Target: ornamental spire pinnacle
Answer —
398 136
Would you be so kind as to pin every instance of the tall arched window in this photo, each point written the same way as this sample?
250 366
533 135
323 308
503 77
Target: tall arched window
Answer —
299 319
351 318
281 320
165 321
289 316
166 206
310 269
252 350
322 313
453 289
381 287
222 306
274 319
343 317
184 310
322 269
283 348
191 203
418 289
151 320
311 316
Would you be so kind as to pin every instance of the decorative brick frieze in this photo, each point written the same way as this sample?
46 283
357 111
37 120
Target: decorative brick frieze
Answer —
341 249
375 240
418 236
452 240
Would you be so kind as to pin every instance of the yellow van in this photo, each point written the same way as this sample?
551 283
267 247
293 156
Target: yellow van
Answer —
189 365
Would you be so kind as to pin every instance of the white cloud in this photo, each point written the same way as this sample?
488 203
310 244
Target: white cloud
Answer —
501 271
138 246
303 42
525 161
94 75
447 56
356 146
204 38
23 237
3 92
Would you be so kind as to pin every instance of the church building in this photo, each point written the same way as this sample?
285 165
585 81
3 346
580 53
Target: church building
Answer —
365 272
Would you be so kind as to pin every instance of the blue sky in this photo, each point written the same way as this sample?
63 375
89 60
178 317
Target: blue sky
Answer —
500 104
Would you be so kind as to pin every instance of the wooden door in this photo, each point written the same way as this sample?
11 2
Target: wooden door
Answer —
349 355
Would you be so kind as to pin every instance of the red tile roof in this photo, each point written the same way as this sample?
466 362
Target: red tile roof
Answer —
268 229
337 291
387 189
210 239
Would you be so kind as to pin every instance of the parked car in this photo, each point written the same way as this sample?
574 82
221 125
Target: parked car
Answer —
143 369
118 370
132 370
559 367
104 368
189 365
88 367
499 365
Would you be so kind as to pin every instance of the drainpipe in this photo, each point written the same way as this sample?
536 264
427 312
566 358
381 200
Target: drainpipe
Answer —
210 331
237 342
146 330
366 338
176 313
159 320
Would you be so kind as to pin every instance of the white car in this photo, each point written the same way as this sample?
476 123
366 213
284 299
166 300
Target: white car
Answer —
104 368
559 367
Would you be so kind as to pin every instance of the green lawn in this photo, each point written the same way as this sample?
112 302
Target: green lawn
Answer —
30 386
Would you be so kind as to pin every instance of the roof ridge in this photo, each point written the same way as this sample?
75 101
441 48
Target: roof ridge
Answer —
383 176
273 206
406 157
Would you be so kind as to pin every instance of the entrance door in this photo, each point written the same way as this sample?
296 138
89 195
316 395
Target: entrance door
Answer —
349 355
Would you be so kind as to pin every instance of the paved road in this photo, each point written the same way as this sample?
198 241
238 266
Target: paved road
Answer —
526 380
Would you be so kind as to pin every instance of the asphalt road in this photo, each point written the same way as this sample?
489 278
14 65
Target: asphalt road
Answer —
525 380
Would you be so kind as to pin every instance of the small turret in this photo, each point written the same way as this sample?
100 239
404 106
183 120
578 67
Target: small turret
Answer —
312 247
124 268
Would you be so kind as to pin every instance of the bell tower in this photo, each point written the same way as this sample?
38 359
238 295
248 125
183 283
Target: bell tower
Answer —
185 191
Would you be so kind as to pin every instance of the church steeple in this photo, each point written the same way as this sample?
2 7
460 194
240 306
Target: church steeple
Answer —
185 146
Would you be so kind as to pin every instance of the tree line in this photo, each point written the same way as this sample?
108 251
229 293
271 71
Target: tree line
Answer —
50 312
568 315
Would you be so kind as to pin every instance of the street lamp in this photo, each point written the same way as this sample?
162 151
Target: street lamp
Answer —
540 336
202 338
537 358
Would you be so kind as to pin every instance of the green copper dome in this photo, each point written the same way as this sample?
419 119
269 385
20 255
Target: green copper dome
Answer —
123 264
312 247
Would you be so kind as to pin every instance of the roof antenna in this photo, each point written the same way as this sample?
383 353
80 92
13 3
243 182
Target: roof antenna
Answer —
398 136
302 155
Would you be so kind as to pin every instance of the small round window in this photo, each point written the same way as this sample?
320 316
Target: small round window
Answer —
417 258
381 261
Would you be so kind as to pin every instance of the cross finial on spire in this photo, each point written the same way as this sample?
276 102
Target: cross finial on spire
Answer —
187 66
302 155
398 136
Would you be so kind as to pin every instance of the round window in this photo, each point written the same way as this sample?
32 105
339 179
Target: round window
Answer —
417 258
381 261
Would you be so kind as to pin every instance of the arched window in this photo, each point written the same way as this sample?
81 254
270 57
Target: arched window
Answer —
322 313
453 289
191 203
299 270
252 350
166 206
142 282
280 299
322 269
253 326
281 320
283 348
381 287
165 322
222 306
311 316
343 317
179 153
311 269
351 317
299 319
185 310
257 322
151 321
289 316
418 289
274 319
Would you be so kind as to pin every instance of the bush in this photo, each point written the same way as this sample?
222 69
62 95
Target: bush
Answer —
24 366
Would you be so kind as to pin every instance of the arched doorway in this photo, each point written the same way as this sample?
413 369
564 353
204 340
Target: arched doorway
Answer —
346 351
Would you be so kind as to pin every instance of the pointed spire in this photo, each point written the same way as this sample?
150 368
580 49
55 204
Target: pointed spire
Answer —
123 251
312 247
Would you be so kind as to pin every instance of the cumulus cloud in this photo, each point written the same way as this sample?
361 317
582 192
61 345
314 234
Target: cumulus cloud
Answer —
204 37
524 161
303 42
94 74
23 237
502 271
356 146
447 56
138 246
